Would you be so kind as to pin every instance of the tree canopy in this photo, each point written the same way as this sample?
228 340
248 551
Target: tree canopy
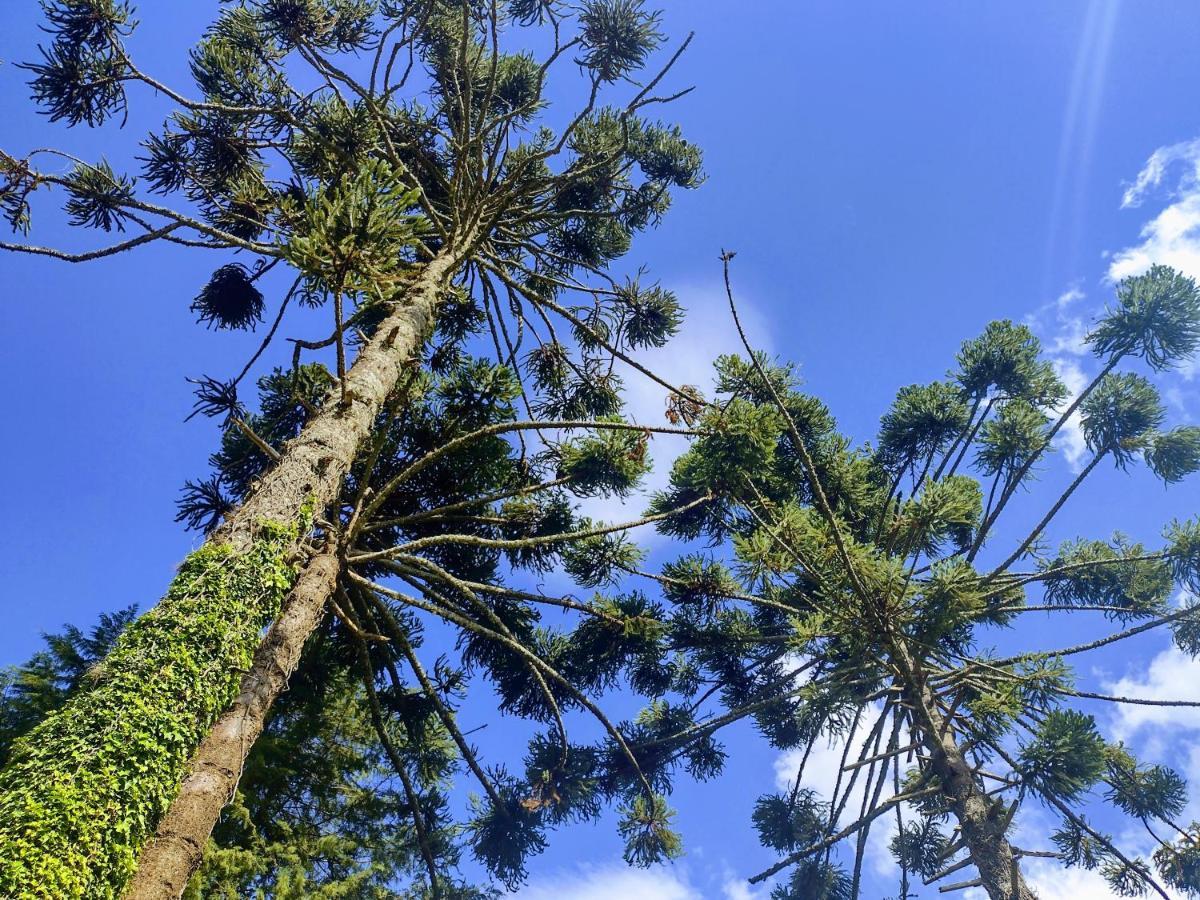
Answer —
864 591
398 165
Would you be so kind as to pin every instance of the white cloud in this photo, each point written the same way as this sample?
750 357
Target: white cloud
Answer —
1069 328
736 888
1156 734
1062 328
1054 882
1070 437
821 773
1050 880
1171 675
1172 237
1155 170
1162 734
821 768
606 882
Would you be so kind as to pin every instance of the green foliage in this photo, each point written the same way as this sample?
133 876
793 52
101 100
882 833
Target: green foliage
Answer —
600 559
698 580
948 510
354 182
1127 879
1157 317
1080 847
341 25
286 400
192 647
353 237
98 196
1011 439
29 692
739 376
1175 454
565 784
1005 360
815 880
651 314
862 568
1066 756
1185 631
79 78
625 635
619 642
337 138
232 64
920 847
1120 414
1122 575
478 393
789 823
503 837
611 462
1179 862
319 812
1145 792
646 827
617 36
664 156
1183 552
734 445
923 419
951 603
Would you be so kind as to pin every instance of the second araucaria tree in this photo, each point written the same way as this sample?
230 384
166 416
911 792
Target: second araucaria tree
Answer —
869 585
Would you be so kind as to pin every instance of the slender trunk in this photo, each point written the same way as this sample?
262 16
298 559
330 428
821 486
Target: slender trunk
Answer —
981 819
85 789
174 853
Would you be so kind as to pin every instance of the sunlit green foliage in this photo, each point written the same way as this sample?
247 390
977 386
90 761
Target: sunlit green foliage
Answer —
861 607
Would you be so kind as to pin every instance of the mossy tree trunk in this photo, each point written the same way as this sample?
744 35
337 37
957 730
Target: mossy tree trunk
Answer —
175 852
86 788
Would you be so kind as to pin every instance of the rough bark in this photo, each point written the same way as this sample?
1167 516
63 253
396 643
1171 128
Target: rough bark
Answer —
313 465
175 852
86 788
980 818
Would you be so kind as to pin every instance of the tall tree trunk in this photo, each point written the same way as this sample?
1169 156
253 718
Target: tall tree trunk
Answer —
981 819
313 465
174 853
84 790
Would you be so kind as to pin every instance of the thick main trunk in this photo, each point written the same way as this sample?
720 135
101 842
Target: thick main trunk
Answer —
174 853
980 818
85 788
981 821
314 464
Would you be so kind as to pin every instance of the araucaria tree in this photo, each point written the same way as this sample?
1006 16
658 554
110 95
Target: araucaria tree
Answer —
868 590
316 813
347 792
418 174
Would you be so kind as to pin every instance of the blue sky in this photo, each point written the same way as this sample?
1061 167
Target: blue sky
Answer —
892 176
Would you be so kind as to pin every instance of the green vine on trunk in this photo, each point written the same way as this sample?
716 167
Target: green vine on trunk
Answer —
108 763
